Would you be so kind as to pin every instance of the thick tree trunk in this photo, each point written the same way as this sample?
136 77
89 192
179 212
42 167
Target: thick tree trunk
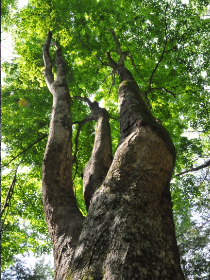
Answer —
129 230
63 217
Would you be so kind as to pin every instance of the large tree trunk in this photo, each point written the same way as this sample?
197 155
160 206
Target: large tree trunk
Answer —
129 231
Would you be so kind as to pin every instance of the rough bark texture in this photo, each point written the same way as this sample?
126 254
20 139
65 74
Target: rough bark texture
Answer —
96 169
63 217
129 231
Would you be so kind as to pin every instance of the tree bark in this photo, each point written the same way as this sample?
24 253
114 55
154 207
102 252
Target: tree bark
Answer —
129 231
96 169
63 217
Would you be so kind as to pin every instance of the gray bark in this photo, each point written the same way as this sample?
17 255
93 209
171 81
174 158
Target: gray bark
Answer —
96 169
63 217
129 231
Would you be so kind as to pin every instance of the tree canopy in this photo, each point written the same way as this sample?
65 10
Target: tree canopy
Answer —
168 47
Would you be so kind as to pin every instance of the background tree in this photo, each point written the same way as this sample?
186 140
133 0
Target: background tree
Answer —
20 272
168 57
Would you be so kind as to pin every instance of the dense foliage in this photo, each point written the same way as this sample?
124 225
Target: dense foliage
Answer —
168 46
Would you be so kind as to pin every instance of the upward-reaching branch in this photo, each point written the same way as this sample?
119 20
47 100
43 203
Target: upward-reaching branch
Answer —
85 99
48 62
137 71
122 54
96 169
61 211
125 119
119 51
80 125
10 191
30 146
61 73
120 68
163 52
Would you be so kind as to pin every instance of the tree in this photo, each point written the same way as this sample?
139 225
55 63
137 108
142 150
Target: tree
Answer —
129 218
20 271
128 204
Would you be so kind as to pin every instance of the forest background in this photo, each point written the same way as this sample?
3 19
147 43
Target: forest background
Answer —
178 77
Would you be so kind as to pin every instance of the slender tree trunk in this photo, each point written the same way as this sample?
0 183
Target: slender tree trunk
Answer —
96 169
63 217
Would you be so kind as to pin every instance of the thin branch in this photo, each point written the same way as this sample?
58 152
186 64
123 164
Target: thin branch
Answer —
110 74
163 52
31 145
102 63
32 14
134 65
122 54
169 91
84 99
172 49
80 125
94 106
113 81
164 89
194 168
10 191
117 42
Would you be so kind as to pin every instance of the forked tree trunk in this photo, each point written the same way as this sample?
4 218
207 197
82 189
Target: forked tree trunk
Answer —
129 231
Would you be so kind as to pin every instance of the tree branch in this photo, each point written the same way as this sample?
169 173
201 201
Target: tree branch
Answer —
94 106
113 81
110 74
122 54
10 191
61 73
134 65
119 51
163 88
80 123
168 91
163 52
194 168
102 63
112 63
47 61
31 145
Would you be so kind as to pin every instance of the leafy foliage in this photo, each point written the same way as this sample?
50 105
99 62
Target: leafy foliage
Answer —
168 56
